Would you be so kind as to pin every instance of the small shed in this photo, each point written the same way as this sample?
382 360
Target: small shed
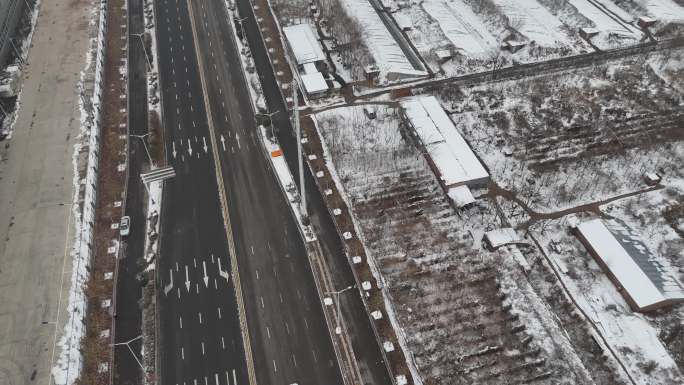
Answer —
461 196
514 46
645 282
501 237
443 55
646 22
652 178
403 21
587 33
314 85
372 72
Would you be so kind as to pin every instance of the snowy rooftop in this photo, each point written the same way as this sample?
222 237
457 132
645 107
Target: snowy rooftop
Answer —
645 280
304 44
455 160
503 236
314 83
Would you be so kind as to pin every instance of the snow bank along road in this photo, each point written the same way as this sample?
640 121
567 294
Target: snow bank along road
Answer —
36 223
200 338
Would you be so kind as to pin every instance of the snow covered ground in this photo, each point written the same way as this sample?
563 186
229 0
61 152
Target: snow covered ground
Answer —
450 297
577 137
476 31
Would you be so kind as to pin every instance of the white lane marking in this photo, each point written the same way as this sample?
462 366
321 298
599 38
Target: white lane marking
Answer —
223 142
219 312
215 284
173 144
202 348
294 360
257 274
197 288
287 328
314 355
281 297
190 152
252 248
200 317
275 368
212 259
223 343
187 279
216 378
234 377
237 137
182 353
306 323
206 382
180 321
178 292
228 378
176 266
194 260
268 332
262 301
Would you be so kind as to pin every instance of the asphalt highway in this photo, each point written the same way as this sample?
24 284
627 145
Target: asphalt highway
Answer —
199 334
366 348
290 340
200 340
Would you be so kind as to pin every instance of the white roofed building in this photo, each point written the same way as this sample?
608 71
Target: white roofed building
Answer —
645 283
304 44
310 58
450 157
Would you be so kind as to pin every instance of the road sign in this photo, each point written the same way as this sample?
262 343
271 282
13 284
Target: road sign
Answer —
158 174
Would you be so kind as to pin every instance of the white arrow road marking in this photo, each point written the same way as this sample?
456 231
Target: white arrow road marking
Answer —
189 147
168 287
204 141
205 278
187 279
223 142
174 149
222 273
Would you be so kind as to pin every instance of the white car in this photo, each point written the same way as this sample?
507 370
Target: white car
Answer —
125 226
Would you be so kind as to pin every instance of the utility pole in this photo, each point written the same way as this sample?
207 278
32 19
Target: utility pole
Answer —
302 192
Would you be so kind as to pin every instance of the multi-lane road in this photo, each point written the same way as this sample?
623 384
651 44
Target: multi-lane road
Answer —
200 337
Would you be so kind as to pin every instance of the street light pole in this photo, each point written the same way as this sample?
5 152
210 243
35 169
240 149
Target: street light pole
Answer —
142 137
147 59
131 350
300 163
337 301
